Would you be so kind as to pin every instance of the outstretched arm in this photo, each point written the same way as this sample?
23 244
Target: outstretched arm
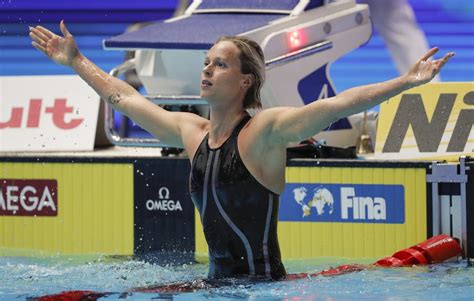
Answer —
167 126
297 124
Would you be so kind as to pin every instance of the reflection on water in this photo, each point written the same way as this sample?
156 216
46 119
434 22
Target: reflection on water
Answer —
24 277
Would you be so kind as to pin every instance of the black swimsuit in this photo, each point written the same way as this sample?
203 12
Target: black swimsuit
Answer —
238 214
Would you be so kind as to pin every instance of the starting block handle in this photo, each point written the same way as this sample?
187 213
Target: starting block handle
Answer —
309 50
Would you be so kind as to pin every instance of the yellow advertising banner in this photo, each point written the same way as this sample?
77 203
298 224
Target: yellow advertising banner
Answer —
66 208
327 232
432 122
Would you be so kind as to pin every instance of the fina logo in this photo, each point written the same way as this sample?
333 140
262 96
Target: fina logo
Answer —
359 207
376 207
163 203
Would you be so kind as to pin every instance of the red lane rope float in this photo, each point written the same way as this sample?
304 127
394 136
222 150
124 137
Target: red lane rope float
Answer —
340 270
73 296
434 250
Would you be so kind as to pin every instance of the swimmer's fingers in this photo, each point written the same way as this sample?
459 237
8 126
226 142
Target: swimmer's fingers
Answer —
39 47
61 50
425 69
442 61
429 54
64 29
38 37
46 32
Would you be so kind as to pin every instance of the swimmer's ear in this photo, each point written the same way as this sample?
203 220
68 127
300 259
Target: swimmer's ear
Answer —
248 81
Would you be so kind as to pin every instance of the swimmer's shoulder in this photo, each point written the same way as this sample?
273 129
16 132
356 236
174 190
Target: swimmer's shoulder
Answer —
264 123
269 116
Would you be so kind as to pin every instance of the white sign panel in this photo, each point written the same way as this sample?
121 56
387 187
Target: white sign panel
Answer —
47 113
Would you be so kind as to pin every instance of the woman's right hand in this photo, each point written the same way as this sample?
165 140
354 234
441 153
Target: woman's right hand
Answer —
62 50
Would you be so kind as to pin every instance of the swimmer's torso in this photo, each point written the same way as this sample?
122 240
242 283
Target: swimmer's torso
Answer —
238 214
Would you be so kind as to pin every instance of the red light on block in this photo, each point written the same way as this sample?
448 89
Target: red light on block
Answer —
295 39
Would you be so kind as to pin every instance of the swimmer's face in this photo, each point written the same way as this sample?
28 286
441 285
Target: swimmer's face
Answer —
221 78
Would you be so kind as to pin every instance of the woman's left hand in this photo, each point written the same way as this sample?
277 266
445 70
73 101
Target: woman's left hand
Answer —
425 70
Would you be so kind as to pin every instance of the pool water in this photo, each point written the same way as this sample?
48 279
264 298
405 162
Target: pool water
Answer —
22 278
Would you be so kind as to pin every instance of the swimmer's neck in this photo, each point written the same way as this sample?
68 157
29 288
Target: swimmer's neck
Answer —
222 123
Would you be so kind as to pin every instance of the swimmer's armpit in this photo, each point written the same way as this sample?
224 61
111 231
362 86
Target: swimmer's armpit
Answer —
114 99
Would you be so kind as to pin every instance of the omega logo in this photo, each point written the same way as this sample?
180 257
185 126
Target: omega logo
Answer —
164 193
164 203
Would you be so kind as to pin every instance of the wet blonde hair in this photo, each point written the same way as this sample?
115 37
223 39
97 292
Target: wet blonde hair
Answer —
252 62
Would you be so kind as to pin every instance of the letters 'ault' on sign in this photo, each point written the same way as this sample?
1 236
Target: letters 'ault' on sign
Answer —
47 113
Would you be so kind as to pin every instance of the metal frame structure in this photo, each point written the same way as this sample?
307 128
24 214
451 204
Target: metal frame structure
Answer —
444 216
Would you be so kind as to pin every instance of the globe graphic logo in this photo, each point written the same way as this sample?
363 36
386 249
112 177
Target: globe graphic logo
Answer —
322 198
